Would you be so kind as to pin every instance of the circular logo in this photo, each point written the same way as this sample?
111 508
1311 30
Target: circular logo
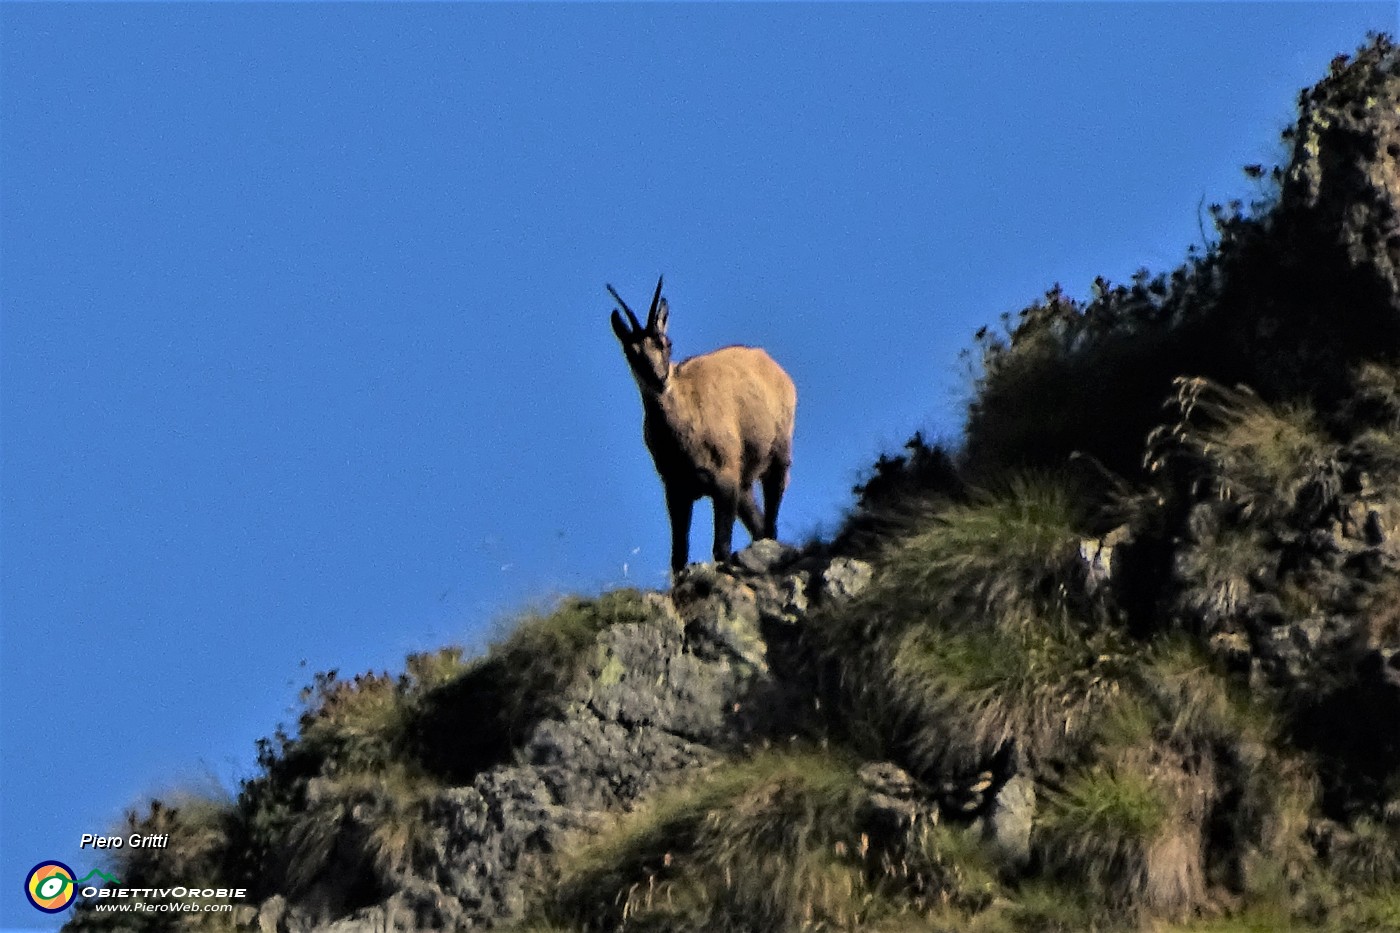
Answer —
49 886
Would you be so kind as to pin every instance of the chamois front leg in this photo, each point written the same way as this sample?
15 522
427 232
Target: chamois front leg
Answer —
680 506
726 503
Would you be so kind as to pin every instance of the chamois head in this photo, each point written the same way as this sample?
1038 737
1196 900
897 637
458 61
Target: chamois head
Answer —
648 349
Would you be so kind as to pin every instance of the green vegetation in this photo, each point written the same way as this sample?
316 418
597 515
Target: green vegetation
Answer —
1369 855
1242 450
773 842
976 634
1286 299
999 556
201 839
344 801
1115 830
347 797
344 797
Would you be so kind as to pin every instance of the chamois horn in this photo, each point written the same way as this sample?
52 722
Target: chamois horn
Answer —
636 324
655 301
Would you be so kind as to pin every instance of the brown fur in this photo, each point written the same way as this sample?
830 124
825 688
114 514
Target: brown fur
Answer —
715 424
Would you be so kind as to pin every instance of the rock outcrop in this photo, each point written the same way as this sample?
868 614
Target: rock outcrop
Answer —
1345 170
655 703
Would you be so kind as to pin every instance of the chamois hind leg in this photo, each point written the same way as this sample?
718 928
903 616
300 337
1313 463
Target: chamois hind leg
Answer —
726 503
749 514
774 482
680 506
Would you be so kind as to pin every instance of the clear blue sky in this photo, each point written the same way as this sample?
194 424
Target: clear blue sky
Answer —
306 361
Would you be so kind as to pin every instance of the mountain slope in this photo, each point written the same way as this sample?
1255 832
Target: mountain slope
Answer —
1127 658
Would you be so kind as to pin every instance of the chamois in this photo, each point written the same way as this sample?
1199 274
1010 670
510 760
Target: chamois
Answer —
714 424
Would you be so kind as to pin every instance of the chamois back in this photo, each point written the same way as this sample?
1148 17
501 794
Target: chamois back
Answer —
740 409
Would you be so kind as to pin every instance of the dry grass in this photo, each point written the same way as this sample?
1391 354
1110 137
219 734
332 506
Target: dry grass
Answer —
1377 910
1375 398
1045 906
1004 555
368 824
200 826
360 723
1368 855
763 842
774 842
967 694
1259 795
1240 449
1219 575
1185 789
1131 833
967 639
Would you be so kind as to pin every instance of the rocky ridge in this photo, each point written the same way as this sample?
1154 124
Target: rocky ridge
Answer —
1207 651
656 703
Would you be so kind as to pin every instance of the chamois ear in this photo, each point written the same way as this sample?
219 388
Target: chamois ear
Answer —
620 328
663 314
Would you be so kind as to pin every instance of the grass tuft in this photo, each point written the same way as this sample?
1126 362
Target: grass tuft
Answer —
966 639
1240 449
774 842
200 829
1123 832
1000 556
1369 854
370 825
1219 575
967 695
